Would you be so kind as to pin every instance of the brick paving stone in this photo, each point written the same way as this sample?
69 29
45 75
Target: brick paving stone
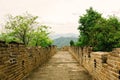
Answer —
62 66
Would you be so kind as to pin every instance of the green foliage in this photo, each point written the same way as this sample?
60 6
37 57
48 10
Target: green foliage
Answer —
72 43
8 38
100 33
87 22
25 29
21 27
40 37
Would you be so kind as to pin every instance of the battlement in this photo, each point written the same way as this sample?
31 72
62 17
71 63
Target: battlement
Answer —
17 61
101 65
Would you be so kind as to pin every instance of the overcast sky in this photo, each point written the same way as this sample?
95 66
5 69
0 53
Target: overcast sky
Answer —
61 15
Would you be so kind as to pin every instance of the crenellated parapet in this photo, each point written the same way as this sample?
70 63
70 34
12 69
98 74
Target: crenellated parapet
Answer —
17 61
101 65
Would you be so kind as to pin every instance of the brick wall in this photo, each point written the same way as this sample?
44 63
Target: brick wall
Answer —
17 61
101 65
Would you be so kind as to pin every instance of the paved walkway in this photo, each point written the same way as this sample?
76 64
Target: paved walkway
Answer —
60 67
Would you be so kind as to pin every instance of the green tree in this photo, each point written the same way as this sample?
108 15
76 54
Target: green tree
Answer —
72 43
106 34
87 22
21 26
25 29
100 33
7 37
40 37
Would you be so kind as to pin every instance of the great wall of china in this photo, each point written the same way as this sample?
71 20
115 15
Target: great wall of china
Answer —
101 65
18 61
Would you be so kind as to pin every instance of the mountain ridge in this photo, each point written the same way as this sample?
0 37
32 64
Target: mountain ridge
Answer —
55 36
64 41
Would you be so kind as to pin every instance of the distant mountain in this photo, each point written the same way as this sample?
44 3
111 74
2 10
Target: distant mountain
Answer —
55 36
64 41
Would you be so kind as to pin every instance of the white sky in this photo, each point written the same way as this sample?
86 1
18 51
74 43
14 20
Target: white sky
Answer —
61 15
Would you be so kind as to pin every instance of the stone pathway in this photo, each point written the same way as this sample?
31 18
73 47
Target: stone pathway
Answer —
60 67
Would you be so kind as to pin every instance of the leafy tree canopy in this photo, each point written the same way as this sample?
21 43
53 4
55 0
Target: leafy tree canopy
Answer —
25 29
98 32
72 43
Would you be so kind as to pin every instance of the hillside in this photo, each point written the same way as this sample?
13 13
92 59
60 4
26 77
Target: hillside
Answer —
56 36
63 41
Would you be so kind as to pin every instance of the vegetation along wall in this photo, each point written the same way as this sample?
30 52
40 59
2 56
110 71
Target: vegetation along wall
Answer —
17 61
101 65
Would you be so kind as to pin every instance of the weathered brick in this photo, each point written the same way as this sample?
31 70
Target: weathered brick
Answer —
17 61
101 65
